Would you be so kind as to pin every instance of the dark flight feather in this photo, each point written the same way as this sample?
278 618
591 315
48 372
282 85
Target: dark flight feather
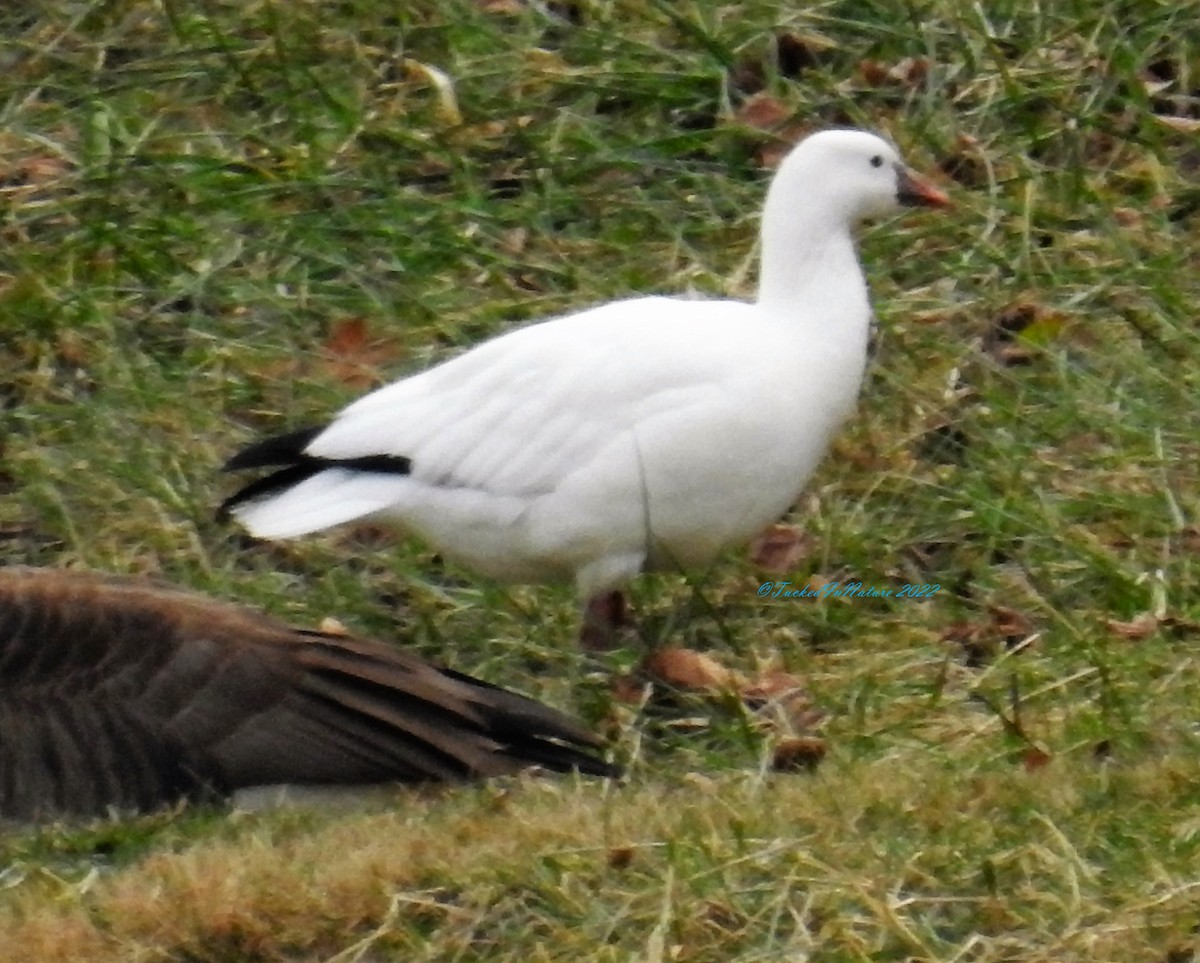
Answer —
287 454
122 694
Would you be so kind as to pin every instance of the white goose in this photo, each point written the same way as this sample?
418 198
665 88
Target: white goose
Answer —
651 432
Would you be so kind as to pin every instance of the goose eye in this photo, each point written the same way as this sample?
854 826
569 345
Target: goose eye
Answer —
877 160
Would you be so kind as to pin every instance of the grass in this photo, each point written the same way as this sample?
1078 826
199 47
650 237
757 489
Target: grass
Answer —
221 219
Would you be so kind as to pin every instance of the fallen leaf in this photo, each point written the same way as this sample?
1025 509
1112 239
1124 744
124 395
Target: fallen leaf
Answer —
793 753
782 701
798 52
72 349
628 689
723 916
1127 216
1009 624
780 548
45 167
909 72
983 641
913 71
1141 626
619 857
1035 758
355 356
688 669
771 684
763 112
971 637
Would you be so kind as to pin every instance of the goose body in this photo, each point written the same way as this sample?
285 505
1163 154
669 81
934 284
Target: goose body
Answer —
647 432
117 694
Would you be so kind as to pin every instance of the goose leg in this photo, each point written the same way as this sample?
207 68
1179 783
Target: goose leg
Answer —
604 616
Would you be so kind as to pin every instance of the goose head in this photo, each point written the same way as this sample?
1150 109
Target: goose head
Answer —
847 176
824 186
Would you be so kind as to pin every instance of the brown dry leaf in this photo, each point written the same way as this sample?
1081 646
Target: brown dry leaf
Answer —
771 684
978 647
873 72
44 168
964 633
72 349
909 72
793 753
780 548
688 669
763 112
354 356
619 857
797 52
1035 758
1141 626
723 916
628 689
782 699
912 70
1127 216
1009 624
506 7
983 641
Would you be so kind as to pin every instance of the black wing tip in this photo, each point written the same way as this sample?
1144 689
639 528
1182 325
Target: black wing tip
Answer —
271 484
590 765
287 453
285 449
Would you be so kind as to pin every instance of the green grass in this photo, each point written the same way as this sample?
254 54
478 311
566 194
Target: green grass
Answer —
196 196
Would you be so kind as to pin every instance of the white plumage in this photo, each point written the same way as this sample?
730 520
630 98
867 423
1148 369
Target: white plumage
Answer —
642 433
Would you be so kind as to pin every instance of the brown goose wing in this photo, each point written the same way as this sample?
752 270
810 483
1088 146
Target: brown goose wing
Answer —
120 693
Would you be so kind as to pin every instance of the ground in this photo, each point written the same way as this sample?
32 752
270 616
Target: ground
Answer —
224 219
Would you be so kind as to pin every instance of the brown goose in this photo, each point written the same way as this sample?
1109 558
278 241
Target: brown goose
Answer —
122 694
